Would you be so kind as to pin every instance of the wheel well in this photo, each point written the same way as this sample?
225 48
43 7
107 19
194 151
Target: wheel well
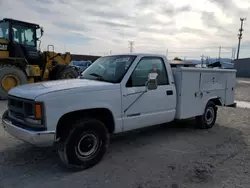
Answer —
16 65
20 63
216 101
65 122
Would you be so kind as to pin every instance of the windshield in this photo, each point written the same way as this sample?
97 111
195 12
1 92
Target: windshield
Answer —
24 35
4 30
109 68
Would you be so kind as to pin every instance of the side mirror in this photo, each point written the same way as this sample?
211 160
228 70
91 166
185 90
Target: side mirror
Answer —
42 31
152 82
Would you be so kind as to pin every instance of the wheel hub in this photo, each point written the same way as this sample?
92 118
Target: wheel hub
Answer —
87 145
69 76
209 116
9 81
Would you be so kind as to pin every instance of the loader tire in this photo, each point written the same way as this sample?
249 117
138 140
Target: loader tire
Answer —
10 76
208 118
56 70
66 73
85 145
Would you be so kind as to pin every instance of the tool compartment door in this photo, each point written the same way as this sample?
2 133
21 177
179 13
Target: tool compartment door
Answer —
212 81
230 88
187 87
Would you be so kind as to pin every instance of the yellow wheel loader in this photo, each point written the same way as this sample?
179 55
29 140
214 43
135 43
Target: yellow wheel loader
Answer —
22 62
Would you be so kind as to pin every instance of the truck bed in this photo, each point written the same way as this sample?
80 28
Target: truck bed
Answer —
196 86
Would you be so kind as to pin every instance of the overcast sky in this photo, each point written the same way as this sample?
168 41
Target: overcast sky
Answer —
185 27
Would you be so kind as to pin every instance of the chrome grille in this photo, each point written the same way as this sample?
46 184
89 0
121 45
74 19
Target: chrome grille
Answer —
20 108
22 111
15 103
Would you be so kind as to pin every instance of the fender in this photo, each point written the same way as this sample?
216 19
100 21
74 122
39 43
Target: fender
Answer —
215 99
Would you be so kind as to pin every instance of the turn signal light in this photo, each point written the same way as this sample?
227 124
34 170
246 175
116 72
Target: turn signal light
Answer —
38 111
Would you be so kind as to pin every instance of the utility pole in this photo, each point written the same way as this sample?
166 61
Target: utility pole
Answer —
233 54
131 46
202 59
219 52
167 52
240 35
207 61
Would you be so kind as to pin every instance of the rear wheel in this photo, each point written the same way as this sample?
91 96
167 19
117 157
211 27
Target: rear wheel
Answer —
10 76
207 120
85 145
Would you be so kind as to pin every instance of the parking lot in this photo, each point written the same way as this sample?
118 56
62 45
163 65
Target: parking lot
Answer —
173 155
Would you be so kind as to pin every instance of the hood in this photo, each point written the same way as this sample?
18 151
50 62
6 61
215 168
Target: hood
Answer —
31 91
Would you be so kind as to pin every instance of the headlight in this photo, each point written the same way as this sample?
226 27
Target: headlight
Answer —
34 113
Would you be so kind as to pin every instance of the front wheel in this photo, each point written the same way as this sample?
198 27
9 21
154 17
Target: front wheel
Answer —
85 145
207 120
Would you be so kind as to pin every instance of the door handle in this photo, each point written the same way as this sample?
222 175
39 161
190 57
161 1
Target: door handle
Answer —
169 92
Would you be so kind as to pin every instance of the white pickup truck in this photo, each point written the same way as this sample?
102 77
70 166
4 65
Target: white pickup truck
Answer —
115 94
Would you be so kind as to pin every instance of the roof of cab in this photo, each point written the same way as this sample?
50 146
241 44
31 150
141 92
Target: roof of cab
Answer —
21 22
139 54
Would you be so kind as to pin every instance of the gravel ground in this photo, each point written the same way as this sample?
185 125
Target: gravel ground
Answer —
242 91
174 155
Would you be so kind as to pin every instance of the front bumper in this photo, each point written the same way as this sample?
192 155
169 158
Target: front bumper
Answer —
36 138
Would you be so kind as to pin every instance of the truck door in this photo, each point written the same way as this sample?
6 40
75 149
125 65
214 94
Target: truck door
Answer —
142 108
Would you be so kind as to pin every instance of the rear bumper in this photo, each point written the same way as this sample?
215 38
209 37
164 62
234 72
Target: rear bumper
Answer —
36 138
234 105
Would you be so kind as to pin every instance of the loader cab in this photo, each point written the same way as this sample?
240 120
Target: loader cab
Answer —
22 39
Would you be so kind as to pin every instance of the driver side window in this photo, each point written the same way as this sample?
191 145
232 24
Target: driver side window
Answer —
148 65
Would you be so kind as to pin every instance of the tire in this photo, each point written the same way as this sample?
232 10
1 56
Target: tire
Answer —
55 71
16 74
66 73
208 119
5 114
73 151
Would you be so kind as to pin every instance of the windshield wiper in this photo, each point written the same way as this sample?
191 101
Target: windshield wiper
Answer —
97 75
